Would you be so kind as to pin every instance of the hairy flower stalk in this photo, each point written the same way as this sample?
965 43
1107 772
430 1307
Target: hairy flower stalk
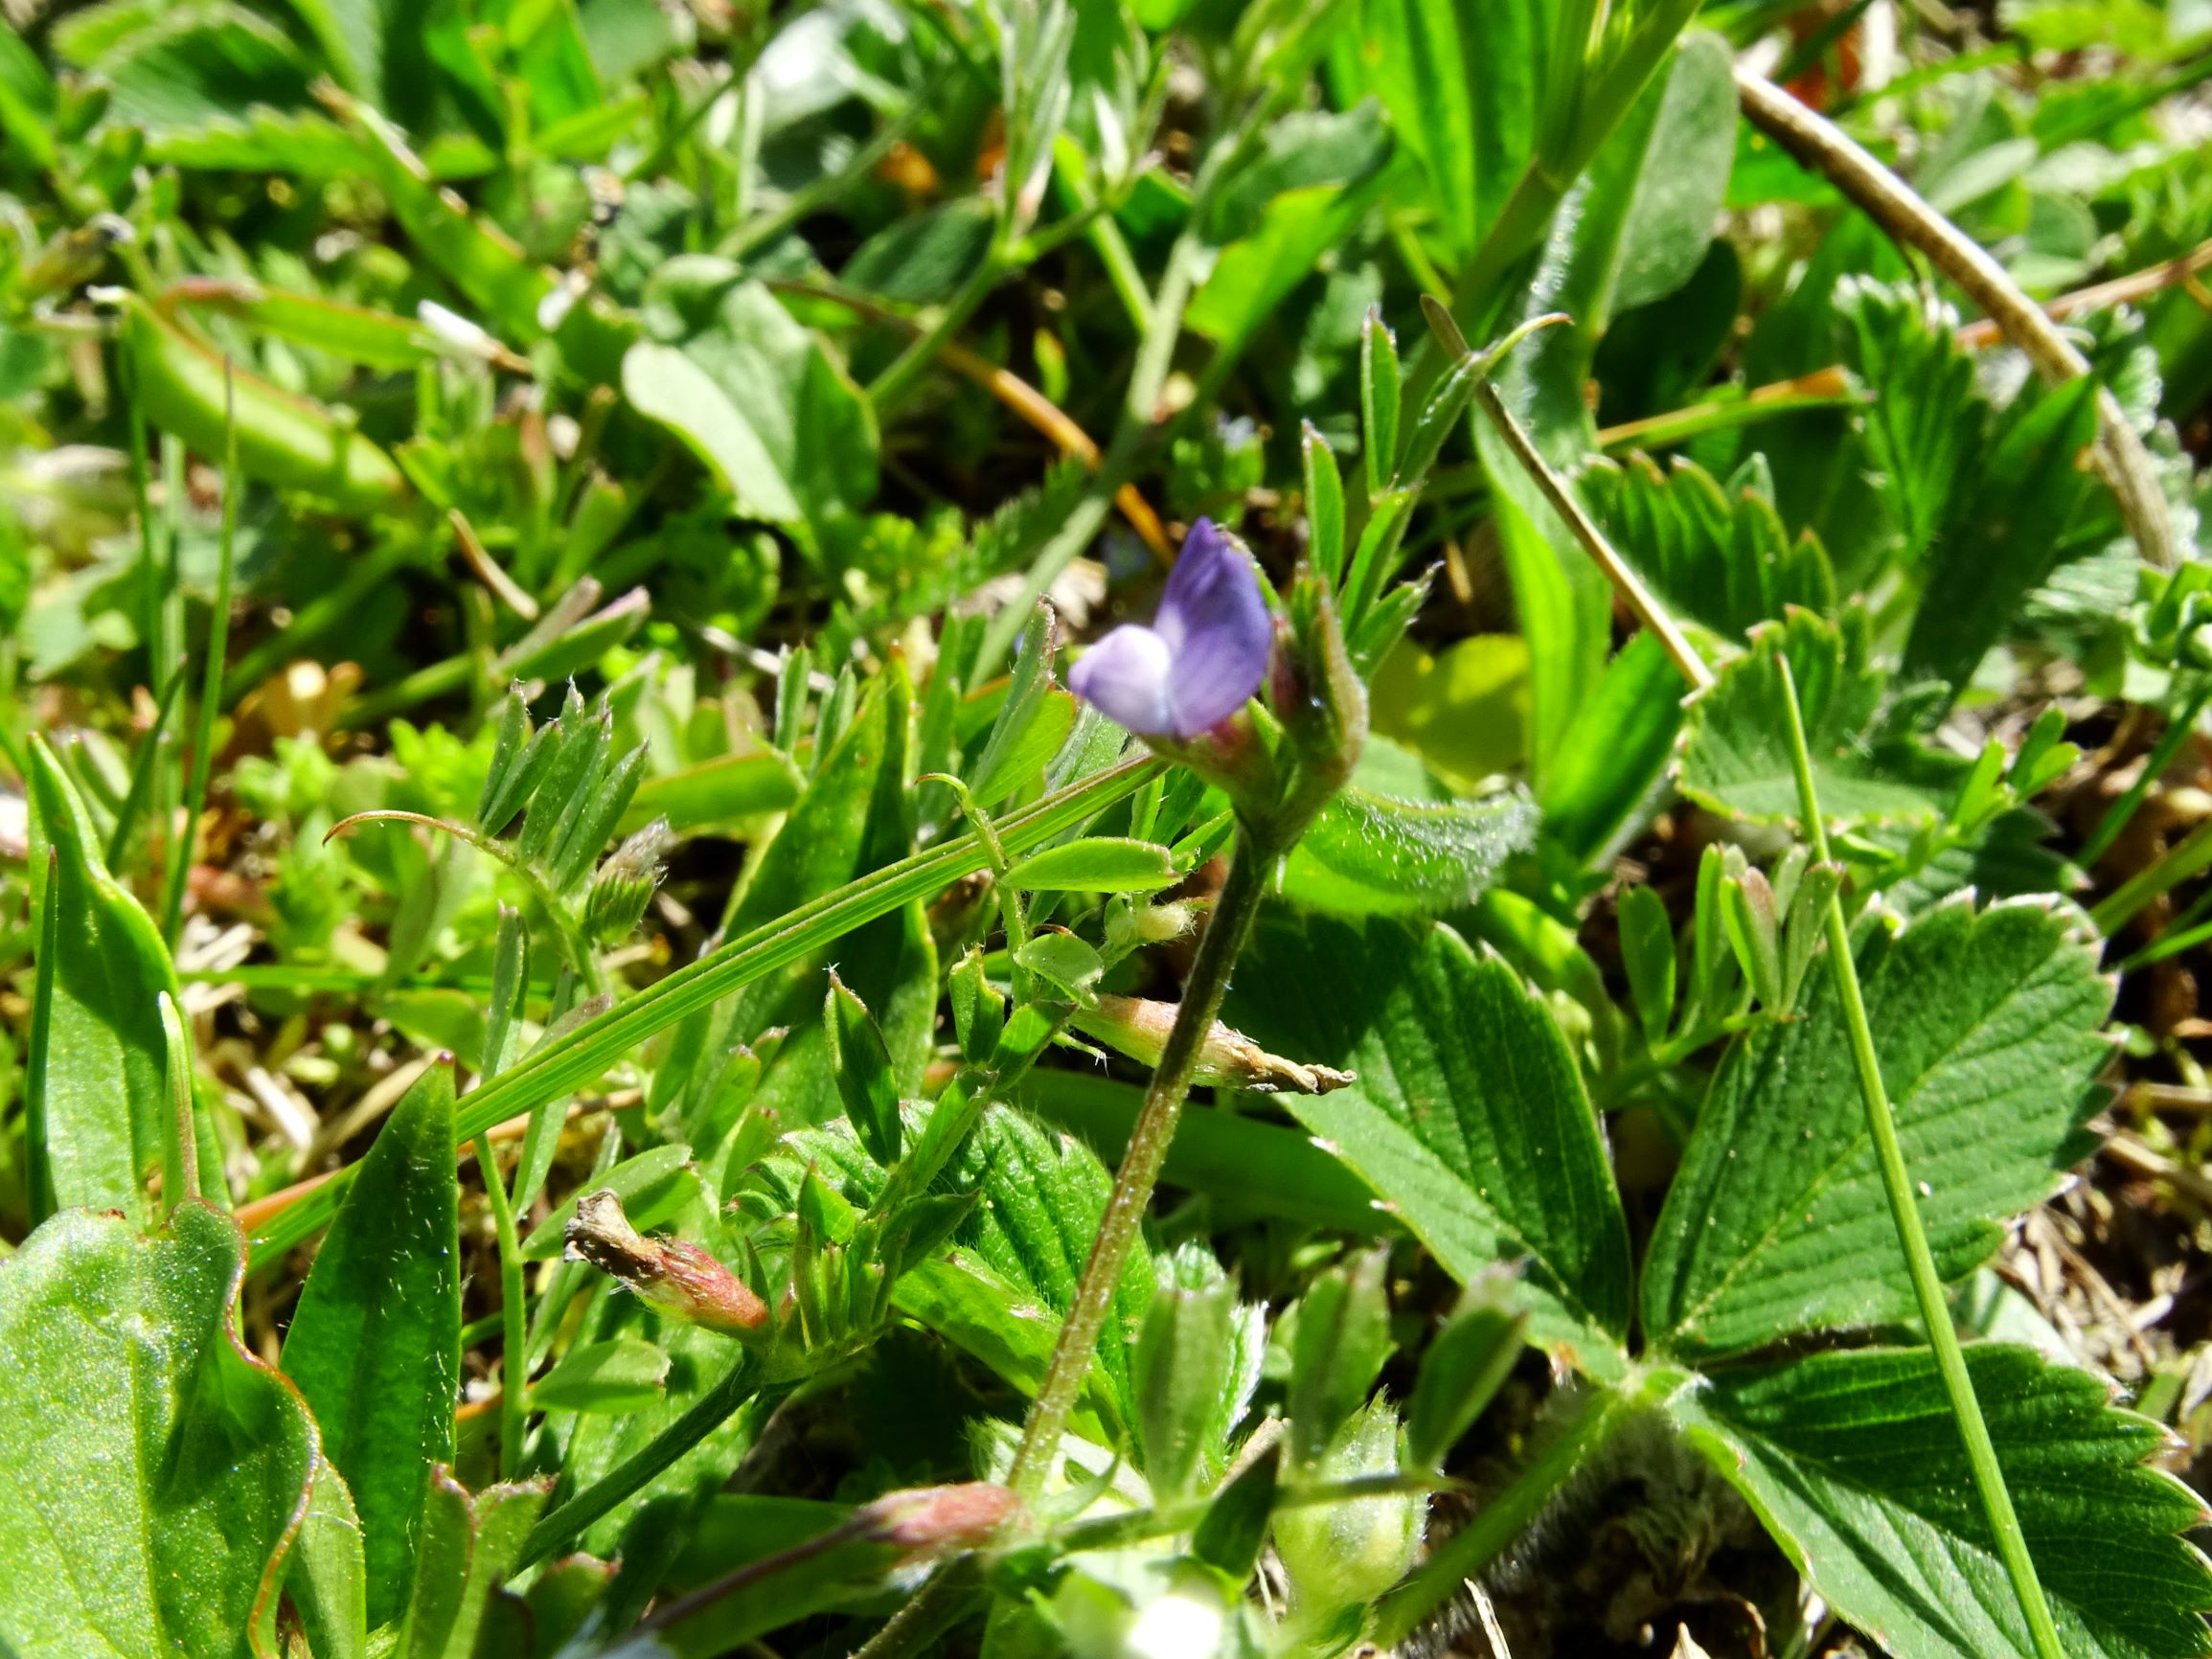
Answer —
1172 684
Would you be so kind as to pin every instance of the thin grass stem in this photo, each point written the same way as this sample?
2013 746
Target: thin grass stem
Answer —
1912 1237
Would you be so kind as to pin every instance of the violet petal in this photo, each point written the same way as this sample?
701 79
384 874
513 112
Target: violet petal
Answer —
1126 674
1217 629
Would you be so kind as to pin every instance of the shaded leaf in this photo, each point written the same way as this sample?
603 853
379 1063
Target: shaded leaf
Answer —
1738 760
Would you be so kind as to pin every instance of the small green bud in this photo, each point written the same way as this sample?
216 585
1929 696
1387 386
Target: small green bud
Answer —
626 885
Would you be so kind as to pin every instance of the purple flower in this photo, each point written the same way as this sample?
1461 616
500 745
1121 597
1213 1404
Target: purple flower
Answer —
1205 654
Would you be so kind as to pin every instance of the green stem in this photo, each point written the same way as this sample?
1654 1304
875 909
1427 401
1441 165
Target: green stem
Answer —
1927 1283
713 1408
897 383
218 631
2117 817
2188 857
1226 930
515 1378
1598 1416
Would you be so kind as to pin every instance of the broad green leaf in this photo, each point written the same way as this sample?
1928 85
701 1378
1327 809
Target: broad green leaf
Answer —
1467 1117
1738 761
151 1471
189 67
1987 1029
468 1543
620 1374
1716 554
754 392
1853 1461
376 1343
1369 855
1095 864
95 1092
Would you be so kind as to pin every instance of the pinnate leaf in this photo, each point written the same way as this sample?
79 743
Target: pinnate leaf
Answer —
1987 1029
1855 1464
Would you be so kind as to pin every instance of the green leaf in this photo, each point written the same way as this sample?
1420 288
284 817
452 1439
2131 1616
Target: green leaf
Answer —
1378 397
1648 959
1068 965
1371 856
1614 748
1987 1029
1717 554
1184 1367
1095 864
468 1545
96 1093
620 1374
1736 759
754 392
328 1581
862 1066
1923 424
154 1471
1033 723
1467 1117
375 1344
1043 1193
2008 534
1315 177
1853 1461
1434 64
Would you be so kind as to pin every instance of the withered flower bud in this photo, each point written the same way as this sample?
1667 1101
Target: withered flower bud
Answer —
934 1520
682 1279
1138 1028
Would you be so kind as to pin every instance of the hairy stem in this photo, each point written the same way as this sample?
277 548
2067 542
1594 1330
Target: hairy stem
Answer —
1927 1283
1226 930
1887 200
1597 1417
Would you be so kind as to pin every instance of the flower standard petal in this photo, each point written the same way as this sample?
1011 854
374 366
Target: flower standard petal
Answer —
1217 630
1125 676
